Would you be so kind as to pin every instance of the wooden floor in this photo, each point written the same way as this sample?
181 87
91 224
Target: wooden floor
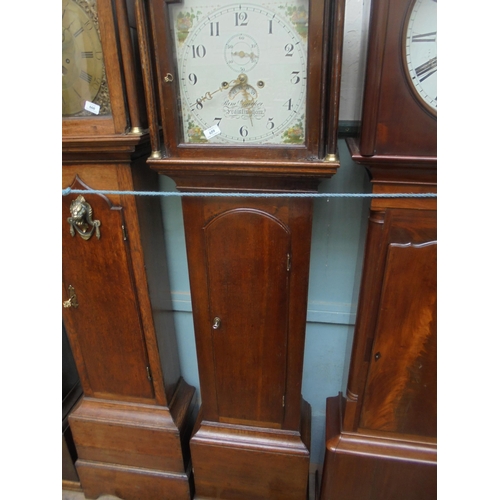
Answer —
78 495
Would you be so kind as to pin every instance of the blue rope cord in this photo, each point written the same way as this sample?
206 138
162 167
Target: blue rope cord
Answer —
68 191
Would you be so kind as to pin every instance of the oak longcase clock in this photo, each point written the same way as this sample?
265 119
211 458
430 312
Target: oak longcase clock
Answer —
132 426
381 438
248 100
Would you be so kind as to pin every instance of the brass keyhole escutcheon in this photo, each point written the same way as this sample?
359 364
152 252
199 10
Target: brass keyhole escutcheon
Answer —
216 323
72 301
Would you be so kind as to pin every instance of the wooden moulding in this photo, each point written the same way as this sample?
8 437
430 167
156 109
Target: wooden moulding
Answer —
134 451
248 463
374 465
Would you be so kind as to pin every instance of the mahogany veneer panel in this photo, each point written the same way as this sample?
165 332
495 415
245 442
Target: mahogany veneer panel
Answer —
401 392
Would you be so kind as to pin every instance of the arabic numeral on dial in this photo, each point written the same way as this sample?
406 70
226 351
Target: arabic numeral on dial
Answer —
295 78
193 79
217 121
241 19
243 131
289 50
288 104
199 105
270 27
199 51
270 123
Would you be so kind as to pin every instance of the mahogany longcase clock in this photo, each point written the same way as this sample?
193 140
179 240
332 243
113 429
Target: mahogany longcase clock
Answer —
249 105
381 438
132 426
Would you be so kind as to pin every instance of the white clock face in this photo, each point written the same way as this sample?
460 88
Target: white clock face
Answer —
242 71
421 52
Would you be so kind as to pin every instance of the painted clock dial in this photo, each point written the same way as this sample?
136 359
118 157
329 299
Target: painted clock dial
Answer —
242 71
420 52
83 76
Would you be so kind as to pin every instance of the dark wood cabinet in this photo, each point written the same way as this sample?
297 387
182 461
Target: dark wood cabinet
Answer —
248 262
384 432
132 426
381 439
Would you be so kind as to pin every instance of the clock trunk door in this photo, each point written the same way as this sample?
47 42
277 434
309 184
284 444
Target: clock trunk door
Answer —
400 393
105 328
247 254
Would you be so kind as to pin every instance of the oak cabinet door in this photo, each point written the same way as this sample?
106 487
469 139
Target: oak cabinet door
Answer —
105 328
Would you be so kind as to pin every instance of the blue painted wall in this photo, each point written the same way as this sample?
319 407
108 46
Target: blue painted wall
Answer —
339 228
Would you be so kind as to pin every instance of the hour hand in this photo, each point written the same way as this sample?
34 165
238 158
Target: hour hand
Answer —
223 86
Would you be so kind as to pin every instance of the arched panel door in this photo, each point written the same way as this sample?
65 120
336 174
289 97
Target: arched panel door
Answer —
247 256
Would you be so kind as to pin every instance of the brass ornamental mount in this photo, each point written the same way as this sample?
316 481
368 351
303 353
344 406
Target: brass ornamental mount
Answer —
81 219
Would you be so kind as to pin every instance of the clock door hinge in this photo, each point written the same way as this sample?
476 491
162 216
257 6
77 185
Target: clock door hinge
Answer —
283 401
124 232
149 374
288 262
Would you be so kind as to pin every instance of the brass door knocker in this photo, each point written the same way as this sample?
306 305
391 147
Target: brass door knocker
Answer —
81 219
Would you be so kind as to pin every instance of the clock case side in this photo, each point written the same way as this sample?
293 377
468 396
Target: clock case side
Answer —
323 46
395 124
121 60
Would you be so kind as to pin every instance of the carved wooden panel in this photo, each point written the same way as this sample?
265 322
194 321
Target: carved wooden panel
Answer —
105 328
247 254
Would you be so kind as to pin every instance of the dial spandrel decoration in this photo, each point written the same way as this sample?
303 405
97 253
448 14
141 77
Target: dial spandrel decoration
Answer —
84 88
420 52
242 70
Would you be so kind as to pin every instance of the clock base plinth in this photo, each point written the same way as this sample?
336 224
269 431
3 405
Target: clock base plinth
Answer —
369 465
251 463
132 483
133 450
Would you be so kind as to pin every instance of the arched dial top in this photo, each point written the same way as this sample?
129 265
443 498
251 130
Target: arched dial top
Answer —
420 52
242 71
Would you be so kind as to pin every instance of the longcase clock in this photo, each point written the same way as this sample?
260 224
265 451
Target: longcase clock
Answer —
132 426
381 440
248 97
